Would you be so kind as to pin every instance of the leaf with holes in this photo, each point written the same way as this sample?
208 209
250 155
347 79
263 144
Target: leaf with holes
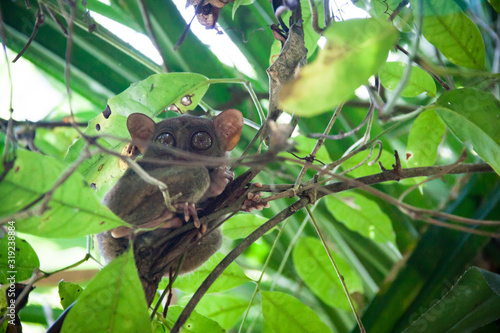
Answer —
105 305
285 314
74 209
447 27
473 116
419 81
354 51
68 293
16 254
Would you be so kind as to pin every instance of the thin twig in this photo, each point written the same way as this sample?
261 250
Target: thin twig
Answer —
259 281
40 19
398 9
337 270
318 145
151 33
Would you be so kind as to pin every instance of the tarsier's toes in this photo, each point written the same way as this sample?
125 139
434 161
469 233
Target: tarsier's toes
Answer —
120 232
189 210
253 201
201 231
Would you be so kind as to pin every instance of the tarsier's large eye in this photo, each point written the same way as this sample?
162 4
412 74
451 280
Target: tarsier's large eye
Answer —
166 139
201 140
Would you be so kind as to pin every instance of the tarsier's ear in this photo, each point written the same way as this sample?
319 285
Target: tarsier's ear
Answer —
228 125
141 129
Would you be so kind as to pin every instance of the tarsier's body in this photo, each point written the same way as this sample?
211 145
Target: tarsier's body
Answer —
142 204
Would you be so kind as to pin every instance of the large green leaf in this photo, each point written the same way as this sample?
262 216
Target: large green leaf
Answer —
232 276
473 116
105 305
151 97
472 302
17 257
362 215
223 308
285 314
315 268
242 225
495 4
354 51
195 323
425 136
447 27
74 209
419 81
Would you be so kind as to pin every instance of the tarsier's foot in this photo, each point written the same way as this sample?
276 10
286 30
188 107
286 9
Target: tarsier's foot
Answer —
164 221
219 180
189 210
254 201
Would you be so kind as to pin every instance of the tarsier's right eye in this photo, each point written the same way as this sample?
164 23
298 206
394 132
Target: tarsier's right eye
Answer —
166 139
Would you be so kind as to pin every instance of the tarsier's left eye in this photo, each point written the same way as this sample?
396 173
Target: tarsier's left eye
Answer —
201 140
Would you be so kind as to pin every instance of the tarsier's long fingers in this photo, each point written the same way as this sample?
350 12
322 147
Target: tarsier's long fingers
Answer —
189 209
221 177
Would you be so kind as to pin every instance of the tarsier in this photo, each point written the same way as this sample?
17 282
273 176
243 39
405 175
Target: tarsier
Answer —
181 141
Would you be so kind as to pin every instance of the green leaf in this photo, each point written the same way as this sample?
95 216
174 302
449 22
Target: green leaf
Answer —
68 293
232 277
195 323
238 3
361 215
315 268
419 81
224 309
354 51
447 27
472 302
285 314
106 304
425 136
473 116
242 225
16 255
495 4
159 91
74 209
151 97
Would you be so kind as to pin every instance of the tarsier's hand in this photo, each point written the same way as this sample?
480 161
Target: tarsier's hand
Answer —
219 179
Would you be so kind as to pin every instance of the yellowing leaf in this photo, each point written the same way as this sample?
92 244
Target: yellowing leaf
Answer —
354 51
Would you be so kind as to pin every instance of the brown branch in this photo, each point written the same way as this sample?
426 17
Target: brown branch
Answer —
151 33
42 124
237 251
301 203
398 9
40 19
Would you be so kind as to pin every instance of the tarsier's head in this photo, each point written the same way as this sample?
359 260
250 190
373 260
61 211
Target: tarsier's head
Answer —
202 136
